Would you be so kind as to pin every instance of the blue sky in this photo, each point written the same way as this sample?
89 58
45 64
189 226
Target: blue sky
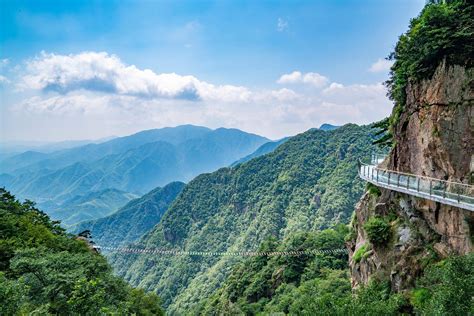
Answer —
228 56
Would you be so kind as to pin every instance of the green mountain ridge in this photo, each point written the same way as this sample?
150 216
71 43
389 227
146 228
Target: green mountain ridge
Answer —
308 183
92 205
134 219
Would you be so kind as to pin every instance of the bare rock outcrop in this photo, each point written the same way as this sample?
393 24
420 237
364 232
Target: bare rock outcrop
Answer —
434 137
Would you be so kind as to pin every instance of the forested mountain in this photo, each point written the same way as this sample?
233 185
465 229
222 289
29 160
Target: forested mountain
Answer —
136 163
134 219
90 206
44 271
308 183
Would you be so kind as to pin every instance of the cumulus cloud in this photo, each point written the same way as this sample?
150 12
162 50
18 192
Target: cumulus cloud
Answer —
282 25
312 78
105 73
86 87
381 65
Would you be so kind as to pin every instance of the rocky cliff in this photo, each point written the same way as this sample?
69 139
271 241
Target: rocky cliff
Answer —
432 137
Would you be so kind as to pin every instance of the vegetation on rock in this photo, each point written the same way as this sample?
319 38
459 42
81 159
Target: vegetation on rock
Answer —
378 230
443 31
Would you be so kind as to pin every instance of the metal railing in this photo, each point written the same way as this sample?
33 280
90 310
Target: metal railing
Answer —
446 192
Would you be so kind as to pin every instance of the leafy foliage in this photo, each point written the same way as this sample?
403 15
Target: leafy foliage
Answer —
43 270
360 253
378 230
447 288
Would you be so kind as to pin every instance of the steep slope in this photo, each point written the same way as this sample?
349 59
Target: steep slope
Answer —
262 150
307 183
45 271
432 129
134 219
90 206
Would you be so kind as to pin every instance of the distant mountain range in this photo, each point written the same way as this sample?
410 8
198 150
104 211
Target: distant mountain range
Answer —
135 163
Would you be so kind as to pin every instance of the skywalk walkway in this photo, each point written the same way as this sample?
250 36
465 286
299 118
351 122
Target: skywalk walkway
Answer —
446 192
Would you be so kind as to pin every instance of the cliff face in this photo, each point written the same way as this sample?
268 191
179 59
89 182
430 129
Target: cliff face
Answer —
433 137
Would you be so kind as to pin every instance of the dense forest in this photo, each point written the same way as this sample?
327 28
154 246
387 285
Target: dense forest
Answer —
320 285
44 270
307 184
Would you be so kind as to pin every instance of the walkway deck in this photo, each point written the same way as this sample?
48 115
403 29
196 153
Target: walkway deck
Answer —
445 192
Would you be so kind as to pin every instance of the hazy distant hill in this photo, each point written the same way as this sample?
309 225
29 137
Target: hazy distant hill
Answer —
135 163
134 219
92 151
262 150
89 206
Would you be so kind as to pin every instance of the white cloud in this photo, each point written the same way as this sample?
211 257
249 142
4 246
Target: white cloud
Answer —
381 65
315 79
104 73
4 79
293 77
84 88
282 25
312 78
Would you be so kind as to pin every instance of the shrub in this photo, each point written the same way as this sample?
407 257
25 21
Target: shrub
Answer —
373 190
361 253
378 230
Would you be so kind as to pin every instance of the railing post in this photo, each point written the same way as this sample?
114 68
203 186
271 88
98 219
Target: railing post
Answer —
372 173
377 175
389 177
418 185
408 182
444 190
398 180
431 186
